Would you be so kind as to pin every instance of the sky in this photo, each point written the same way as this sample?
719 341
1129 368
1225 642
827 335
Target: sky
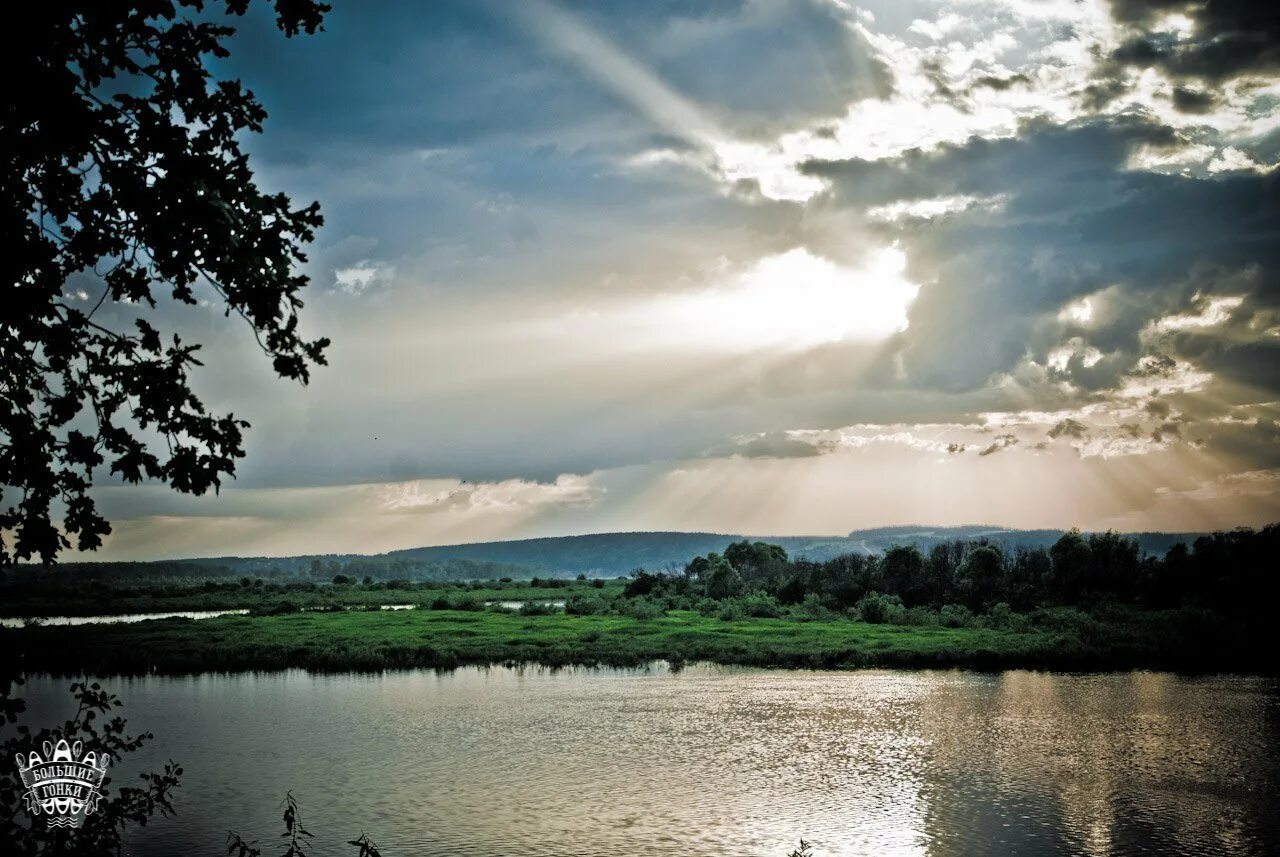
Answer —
755 266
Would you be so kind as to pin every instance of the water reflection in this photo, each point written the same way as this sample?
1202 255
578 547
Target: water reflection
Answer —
14 622
516 605
715 761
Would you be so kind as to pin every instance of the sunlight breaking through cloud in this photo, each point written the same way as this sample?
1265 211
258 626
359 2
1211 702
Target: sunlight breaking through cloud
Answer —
792 300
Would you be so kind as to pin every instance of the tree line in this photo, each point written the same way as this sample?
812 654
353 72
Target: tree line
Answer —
1227 572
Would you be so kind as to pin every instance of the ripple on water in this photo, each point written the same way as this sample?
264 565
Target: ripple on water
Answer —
718 761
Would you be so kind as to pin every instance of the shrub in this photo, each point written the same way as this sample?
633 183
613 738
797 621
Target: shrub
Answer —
642 584
640 608
922 616
1002 616
730 610
880 609
538 608
462 602
585 605
707 606
279 608
504 609
760 605
955 616
811 609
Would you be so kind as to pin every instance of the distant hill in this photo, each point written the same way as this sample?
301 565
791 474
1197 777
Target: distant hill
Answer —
598 555
619 553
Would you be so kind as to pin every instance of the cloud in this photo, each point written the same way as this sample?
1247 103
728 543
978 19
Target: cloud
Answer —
1001 443
729 157
1190 100
778 445
765 264
1209 41
1231 159
1206 312
360 277
1069 428
934 207
336 519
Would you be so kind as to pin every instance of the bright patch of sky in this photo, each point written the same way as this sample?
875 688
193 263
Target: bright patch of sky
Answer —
762 267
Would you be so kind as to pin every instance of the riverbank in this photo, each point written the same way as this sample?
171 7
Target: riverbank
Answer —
377 640
256 597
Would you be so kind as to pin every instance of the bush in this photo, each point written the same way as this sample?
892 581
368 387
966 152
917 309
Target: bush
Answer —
760 605
811 609
504 609
955 616
730 610
642 584
880 609
640 608
462 602
707 606
597 583
277 609
538 608
586 605
1004 617
922 616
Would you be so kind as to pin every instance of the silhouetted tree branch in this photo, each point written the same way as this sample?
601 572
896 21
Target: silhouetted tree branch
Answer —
121 162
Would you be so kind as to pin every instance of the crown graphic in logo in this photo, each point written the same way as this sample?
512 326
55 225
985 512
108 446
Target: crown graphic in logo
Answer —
62 784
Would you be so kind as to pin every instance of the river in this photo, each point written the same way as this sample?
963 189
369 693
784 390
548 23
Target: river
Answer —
713 761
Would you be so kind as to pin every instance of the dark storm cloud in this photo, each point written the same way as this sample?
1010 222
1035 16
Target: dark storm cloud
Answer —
1000 84
1076 220
1189 100
1256 441
1069 428
1232 38
1001 443
1253 364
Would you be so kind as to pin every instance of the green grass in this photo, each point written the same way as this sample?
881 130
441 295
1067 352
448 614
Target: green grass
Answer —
190 598
448 638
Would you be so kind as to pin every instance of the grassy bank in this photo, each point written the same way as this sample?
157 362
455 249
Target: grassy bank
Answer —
118 599
450 638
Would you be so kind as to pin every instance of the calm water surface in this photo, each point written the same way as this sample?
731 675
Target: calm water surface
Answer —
716 761
12 622
516 605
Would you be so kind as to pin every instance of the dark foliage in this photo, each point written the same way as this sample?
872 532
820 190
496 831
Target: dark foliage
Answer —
99 727
96 724
1226 573
122 169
